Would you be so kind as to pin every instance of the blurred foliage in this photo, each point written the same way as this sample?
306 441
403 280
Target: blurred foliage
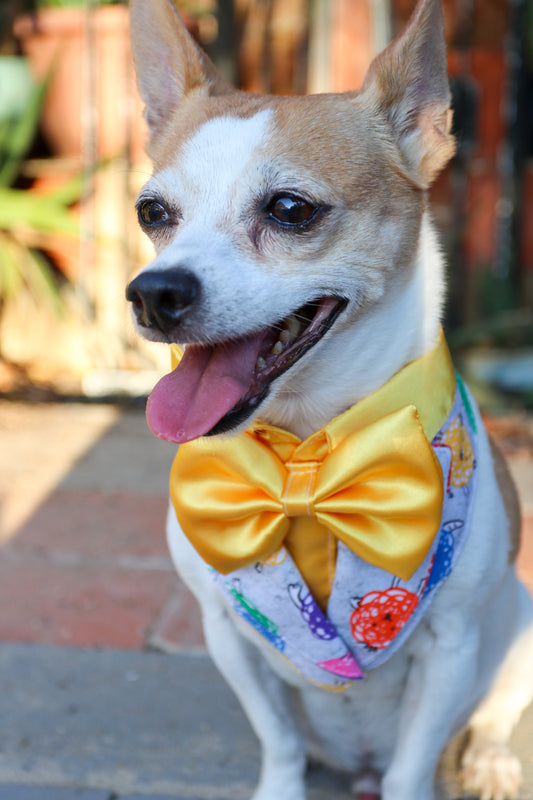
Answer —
25 216
508 329
74 3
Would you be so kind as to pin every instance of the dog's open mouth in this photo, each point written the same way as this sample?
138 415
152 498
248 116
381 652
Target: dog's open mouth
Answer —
216 387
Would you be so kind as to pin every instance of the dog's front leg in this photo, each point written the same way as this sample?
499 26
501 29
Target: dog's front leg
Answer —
263 696
267 705
439 692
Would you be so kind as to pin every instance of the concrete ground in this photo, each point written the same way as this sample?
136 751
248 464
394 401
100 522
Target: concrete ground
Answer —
108 693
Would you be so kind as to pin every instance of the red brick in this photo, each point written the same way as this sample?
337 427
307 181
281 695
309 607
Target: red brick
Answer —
93 570
79 605
179 624
90 523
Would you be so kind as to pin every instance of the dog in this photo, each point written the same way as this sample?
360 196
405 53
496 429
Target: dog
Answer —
362 619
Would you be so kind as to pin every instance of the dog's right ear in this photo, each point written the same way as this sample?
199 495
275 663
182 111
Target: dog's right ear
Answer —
408 84
168 62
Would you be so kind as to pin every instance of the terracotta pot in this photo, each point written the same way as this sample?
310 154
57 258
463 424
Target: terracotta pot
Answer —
92 84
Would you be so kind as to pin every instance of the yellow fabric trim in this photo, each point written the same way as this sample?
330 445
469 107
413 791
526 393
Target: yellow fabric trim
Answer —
176 354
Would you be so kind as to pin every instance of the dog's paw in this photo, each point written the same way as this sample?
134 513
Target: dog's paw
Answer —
367 787
491 772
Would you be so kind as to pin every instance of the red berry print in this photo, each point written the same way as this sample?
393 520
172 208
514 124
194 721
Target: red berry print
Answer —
380 616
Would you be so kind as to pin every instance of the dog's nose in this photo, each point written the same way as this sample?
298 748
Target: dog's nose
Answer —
161 297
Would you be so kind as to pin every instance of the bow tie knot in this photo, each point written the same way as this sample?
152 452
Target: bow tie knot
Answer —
298 491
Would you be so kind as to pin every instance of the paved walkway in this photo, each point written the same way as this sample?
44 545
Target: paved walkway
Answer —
108 693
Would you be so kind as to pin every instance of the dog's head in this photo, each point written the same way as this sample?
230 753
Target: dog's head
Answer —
278 222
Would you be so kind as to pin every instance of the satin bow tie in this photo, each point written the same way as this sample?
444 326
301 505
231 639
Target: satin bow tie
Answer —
369 479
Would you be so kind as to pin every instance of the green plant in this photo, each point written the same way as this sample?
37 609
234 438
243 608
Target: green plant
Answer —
25 217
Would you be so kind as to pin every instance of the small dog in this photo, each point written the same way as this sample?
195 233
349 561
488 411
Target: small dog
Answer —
351 538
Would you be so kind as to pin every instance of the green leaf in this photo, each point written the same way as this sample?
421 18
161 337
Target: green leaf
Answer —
17 135
5 132
25 267
11 280
71 191
41 213
41 281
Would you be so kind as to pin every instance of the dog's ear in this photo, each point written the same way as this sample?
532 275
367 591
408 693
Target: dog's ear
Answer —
408 82
168 62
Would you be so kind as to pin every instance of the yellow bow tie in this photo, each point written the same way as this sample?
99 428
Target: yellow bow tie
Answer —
369 478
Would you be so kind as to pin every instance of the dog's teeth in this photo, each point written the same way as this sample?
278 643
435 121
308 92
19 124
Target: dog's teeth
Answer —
289 334
291 329
260 363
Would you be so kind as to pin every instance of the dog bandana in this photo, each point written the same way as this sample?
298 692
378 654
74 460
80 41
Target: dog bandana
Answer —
333 547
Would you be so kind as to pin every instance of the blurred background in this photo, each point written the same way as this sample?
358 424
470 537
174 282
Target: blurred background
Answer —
71 162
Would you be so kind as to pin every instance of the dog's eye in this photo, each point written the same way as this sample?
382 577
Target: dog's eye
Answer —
152 213
290 210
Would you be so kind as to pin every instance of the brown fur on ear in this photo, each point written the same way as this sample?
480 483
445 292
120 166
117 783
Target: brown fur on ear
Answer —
168 62
408 82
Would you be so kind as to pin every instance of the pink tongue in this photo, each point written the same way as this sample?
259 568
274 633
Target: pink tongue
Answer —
205 385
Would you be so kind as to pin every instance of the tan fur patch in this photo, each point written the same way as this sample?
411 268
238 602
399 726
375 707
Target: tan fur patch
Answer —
340 143
195 109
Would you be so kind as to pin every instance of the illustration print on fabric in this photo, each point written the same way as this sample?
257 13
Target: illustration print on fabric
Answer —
441 564
380 616
251 614
456 438
319 625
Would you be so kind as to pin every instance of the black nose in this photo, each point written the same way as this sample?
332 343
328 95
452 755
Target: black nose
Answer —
160 298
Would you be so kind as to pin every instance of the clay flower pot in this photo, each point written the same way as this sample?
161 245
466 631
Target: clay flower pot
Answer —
92 85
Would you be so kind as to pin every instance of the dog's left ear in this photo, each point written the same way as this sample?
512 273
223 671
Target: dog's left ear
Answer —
408 82
168 62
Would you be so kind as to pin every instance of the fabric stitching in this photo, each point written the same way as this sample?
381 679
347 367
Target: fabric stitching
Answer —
286 492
